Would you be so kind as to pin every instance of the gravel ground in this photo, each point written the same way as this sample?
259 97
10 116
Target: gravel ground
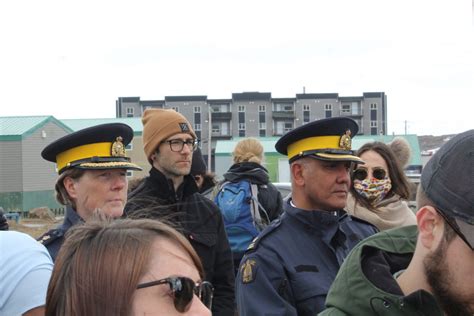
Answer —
33 227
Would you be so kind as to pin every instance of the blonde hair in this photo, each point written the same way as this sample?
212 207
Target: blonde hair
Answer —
248 150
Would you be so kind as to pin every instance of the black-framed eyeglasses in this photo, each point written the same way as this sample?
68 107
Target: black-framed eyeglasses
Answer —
362 173
177 145
183 289
452 222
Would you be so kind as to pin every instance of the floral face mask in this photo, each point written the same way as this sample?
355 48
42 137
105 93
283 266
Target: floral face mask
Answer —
374 190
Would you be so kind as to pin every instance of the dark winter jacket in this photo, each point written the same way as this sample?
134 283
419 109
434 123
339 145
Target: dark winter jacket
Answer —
199 220
365 284
54 238
268 195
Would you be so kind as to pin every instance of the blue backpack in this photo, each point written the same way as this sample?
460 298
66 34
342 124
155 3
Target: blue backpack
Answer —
239 205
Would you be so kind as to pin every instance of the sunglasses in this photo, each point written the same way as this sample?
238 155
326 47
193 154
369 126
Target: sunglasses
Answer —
451 222
361 174
183 289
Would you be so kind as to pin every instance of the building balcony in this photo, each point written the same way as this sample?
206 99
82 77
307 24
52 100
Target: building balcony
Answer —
221 136
351 114
283 115
216 116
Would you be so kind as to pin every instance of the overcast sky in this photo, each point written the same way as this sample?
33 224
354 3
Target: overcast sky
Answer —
74 59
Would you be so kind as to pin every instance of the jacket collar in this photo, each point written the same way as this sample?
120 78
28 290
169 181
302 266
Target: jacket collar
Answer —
71 218
164 187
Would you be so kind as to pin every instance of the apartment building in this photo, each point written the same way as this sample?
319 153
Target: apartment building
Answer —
257 114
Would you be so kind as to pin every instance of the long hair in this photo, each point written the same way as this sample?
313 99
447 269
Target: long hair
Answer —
101 262
248 150
397 176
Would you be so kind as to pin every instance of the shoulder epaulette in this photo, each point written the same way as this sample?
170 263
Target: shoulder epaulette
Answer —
254 244
49 237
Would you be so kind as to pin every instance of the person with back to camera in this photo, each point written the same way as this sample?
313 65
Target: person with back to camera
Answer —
423 269
92 167
127 267
169 143
380 188
289 267
247 158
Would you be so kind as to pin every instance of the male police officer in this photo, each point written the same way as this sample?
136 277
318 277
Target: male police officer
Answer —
92 168
290 266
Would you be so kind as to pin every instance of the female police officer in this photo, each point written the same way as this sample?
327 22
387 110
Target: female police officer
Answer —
92 165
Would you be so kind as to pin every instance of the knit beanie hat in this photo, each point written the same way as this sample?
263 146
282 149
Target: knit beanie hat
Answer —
198 165
159 124
401 150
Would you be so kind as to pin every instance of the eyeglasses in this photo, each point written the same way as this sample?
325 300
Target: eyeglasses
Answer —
183 289
451 222
362 173
177 145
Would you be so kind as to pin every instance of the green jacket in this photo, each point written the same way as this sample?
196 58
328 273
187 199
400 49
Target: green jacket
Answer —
365 284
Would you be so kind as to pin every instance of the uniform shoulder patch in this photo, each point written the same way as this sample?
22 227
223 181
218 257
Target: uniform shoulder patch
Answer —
248 271
50 236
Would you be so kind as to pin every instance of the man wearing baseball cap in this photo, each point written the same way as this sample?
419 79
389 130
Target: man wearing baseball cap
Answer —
92 167
289 267
170 192
426 269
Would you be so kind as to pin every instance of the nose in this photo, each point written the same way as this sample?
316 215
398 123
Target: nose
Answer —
198 308
186 149
343 174
119 181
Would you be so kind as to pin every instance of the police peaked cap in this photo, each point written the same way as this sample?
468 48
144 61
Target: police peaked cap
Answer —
325 139
96 147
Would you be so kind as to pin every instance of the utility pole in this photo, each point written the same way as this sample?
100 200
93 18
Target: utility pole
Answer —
209 142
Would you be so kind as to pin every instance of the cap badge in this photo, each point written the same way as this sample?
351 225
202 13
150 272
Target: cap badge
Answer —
118 149
184 127
248 271
345 142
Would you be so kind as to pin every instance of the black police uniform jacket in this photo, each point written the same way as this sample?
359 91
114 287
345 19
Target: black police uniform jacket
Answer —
199 219
290 266
54 238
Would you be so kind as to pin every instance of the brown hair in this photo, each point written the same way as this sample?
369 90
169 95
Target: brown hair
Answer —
101 262
248 150
400 184
61 193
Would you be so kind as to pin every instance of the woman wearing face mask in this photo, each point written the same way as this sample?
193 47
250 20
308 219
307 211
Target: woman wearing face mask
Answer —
127 267
380 188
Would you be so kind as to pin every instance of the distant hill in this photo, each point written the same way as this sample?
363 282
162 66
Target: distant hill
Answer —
428 142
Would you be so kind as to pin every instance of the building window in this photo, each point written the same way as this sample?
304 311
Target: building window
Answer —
373 106
262 125
283 107
261 108
197 109
305 107
241 126
328 110
373 127
197 127
175 108
346 109
216 128
373 124
129 173
288 127
241 108
129 146
198 134
263 133
129 112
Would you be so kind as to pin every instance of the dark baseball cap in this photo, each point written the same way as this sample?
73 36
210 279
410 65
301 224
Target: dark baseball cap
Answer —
448 181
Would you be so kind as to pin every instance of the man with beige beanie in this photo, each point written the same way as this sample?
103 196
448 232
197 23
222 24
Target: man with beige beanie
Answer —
170 193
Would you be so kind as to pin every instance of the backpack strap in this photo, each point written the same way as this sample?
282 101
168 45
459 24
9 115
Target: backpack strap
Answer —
256 206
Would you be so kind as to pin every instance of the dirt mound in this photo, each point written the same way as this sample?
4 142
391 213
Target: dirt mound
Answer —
42 213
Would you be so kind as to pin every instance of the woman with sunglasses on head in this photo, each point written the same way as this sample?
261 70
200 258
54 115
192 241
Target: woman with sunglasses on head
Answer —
127 267
380 188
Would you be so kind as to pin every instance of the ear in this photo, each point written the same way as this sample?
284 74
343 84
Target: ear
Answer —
70 186
430 227
297 170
